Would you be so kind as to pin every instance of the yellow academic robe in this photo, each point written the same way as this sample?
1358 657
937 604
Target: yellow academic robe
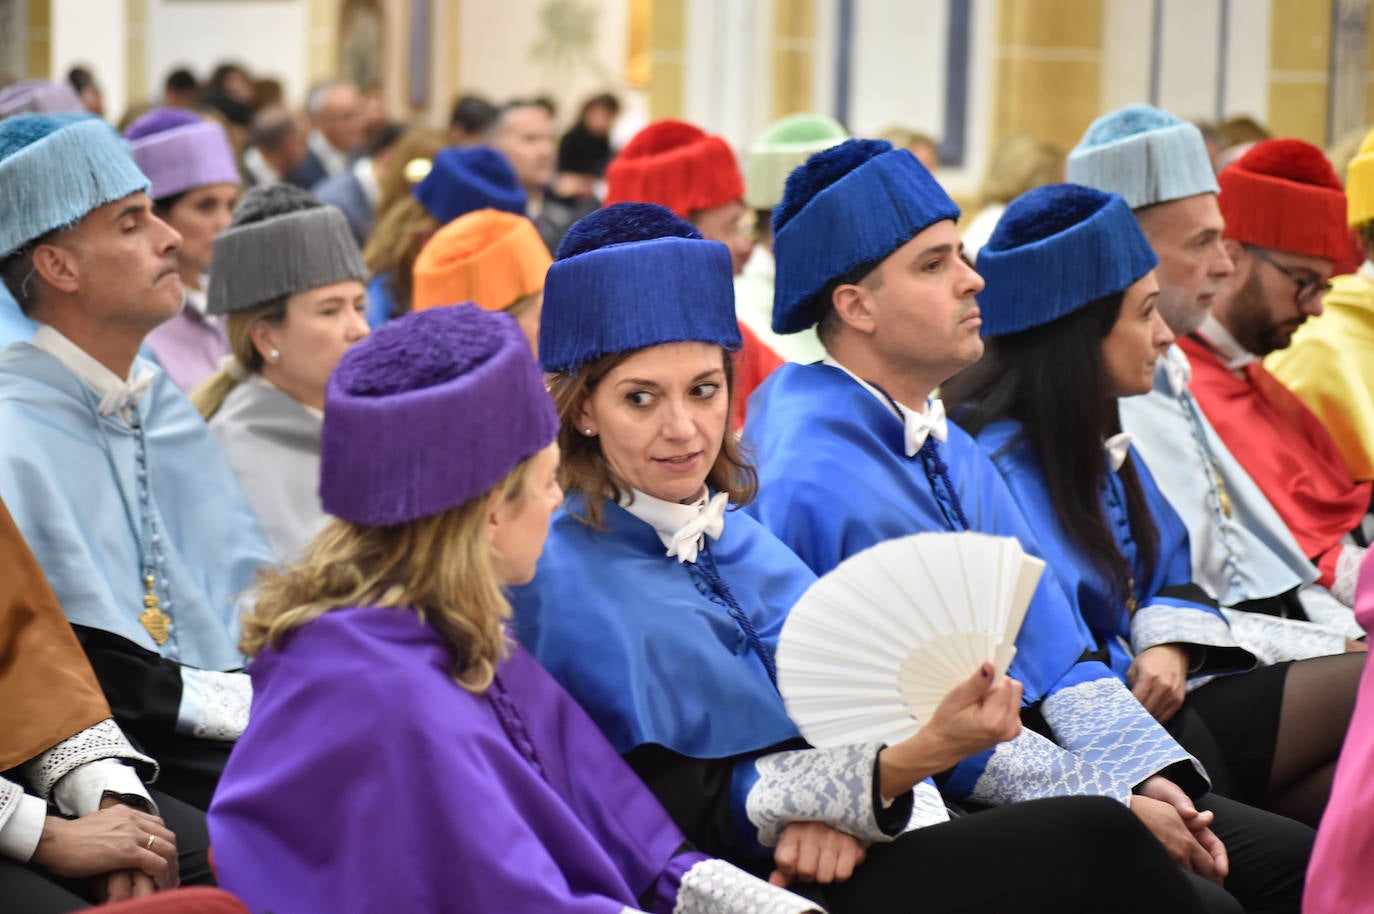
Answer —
1330 366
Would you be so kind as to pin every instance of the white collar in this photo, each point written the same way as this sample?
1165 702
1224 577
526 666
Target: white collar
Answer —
195 299
116 394
333 159
760 264
919 423
366 174
256 165
1117 447
1232 353
1177 369
682 528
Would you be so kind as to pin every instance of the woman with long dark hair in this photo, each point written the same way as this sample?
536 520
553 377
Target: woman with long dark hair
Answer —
1070 314
658 606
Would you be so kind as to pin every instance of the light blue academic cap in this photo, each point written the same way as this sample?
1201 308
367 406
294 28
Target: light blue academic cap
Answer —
1144 155
56 168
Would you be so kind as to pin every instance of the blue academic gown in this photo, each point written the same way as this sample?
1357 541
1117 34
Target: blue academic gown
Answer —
834 479
381 298
651 650
57 481
14 326
1170 608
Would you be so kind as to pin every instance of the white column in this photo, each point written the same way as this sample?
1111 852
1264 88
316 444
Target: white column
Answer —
91 33
728 75
269 37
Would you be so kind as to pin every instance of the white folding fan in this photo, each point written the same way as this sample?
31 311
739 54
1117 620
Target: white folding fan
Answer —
872 647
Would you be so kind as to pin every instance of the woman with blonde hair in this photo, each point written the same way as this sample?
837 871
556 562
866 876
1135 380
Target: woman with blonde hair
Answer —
391 714
460 180
290 281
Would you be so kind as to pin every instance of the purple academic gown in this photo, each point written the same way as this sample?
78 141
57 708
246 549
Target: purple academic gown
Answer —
368 780
189 347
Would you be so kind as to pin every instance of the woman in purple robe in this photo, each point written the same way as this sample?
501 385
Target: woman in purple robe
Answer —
402 754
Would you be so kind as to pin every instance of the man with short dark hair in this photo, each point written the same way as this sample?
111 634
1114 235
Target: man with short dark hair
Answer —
1285 229
854 450
117 484
1330 362
180 89
472 119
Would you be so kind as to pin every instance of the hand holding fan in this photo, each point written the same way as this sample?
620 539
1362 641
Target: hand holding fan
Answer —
872 647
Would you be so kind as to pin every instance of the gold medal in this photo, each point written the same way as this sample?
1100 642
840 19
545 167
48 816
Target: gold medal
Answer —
154 621
157 623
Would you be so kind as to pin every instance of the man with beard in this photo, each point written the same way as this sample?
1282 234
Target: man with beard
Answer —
1242 552
855 450
1285 228
119 487
1330 363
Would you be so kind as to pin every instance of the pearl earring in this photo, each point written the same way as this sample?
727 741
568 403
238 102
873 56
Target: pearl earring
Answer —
587 432
273 355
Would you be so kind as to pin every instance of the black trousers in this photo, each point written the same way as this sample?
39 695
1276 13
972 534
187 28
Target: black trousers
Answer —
1268 853
1063 855
26 889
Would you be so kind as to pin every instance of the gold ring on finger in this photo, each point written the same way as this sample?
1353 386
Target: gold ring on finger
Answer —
151 839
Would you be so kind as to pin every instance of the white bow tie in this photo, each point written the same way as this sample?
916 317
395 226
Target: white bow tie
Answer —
708 519
920 426
1117 448
126 395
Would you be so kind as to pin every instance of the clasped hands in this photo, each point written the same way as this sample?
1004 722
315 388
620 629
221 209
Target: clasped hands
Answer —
129 853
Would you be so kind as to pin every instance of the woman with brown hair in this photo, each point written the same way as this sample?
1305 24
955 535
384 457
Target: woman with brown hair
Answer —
393 721
658 608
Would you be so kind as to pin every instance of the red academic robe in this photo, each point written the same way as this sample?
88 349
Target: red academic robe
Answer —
753 364
1285 449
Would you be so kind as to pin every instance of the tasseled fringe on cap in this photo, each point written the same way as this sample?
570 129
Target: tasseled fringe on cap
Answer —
55 181
261 261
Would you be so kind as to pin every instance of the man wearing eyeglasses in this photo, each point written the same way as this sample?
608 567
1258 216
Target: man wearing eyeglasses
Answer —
1330 363
1242 552
1285 228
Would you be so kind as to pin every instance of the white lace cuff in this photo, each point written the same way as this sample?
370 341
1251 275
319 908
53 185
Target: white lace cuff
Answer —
1162 623
1105 726
1347 574
1325 610
22 818
716 887
1030 767
103 740
1273 639
834 786
214 705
